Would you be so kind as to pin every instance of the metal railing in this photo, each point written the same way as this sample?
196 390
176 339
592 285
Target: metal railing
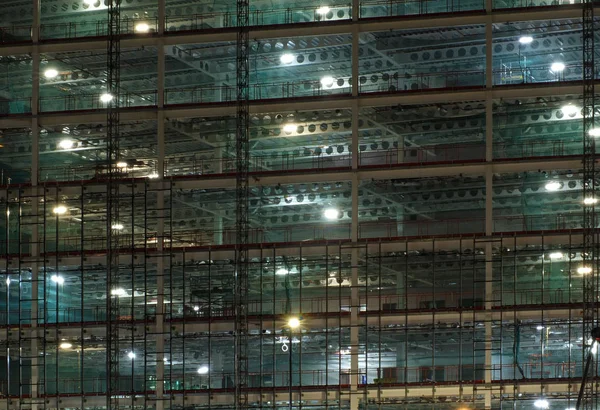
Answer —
398 82
390 8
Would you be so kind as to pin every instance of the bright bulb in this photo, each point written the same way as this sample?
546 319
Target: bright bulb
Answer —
131 355
289 128
327 81
540 327
552 186
117 227
590 201
569 109
526 40
65 345
51 73
294 323
282 271
556 255
66 144
59 280
541 404
286 58
121 164
331 213
196 308
584 270
557 67
142 28
323 10
118 292
153 175
203 370
106 98
60 209
594 132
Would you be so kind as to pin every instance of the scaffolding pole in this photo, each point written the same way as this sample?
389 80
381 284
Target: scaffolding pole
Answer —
590 235
242 192
112 217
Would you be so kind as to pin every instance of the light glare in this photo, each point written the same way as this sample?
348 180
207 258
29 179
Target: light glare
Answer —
552 186
60 209
121 164
590 201
327 81
203 370
594 132
59 280
556 255
106 98
131 355
142 28
118 292
331 213
51 73
117 227
66 144
294 323
289 128
584 270
89 2
286 58
541 404
569 109
323 10
282 271
557 67
65 345
525 39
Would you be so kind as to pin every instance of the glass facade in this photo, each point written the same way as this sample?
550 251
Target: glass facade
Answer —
416 203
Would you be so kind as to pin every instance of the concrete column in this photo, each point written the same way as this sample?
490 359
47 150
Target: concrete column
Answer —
218 160
35 129
161 17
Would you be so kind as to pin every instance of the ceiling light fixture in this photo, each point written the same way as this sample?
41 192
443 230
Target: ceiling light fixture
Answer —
89 2
106 98
59 280
569 109
153 175
286 58
556 255
118 292
323 10
282 271
525 39
203 370
131 355
331 213
540 327
294 323
142 28
590 201
66 144
584 270
65 345
541 404
552 186
594 132
289 128
121 164
50 73
59 209
117 227
557 67
327 81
